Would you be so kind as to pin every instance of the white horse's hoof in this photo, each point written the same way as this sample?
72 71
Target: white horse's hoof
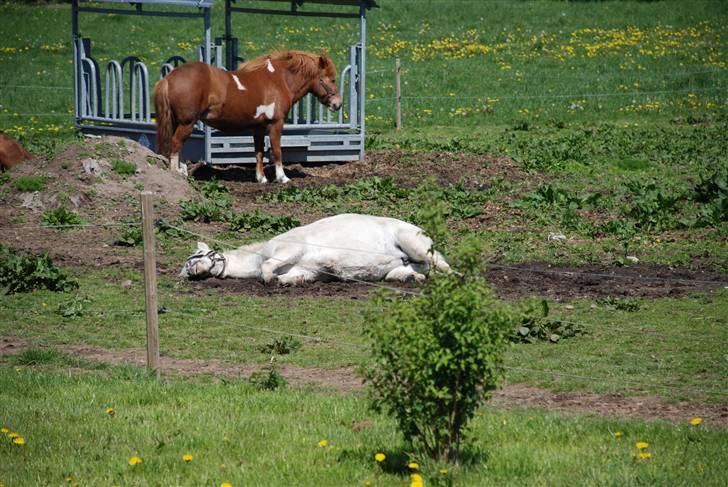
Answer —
182 169
261 179
283 179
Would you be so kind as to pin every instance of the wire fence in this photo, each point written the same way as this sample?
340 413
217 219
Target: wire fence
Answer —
623 380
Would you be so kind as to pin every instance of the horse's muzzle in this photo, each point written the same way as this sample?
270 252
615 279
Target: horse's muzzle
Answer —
335 103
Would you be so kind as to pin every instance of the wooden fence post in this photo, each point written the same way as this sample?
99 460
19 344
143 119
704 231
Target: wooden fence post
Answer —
150 281
398 96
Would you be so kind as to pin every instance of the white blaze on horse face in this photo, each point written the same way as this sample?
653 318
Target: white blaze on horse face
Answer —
269 65
237 82
267 110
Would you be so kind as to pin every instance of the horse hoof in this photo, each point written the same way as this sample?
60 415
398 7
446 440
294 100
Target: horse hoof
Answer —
283 180
261 179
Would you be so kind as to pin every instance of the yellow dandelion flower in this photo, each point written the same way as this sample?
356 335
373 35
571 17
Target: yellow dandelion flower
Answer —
226 484
641 445
187 457
413 465
443 471
696 421
135 460
4 430
323 443
110 411
618 434
68 478
380 457
13 435
416 480
19 441
644 455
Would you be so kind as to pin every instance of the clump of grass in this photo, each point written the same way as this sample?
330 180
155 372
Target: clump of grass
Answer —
29 184
62 216
123 167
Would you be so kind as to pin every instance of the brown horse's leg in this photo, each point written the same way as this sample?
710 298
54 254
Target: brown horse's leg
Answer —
275 132
259 141
181 133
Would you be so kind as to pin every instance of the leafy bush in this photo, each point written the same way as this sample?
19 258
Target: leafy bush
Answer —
269 379
73 308
210 189
62 216
262 222
281 346
652 207
122 167
205 211
622 304
536 326
437 356
30 184
131 237
22 273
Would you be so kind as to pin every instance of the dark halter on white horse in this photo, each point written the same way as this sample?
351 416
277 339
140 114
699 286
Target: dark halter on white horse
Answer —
214 256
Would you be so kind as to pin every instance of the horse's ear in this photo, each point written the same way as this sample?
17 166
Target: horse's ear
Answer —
323 59
203 247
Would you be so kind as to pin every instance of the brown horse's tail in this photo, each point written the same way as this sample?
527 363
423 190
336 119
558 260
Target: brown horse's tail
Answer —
165 128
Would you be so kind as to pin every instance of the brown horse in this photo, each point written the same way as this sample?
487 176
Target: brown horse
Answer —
11 152
257 96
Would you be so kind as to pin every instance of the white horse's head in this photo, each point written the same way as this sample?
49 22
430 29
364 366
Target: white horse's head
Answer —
203 263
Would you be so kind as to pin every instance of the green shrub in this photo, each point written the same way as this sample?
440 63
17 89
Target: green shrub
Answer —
29 184
62 216
536 326
268 379
131 237
436 357
23 273
651 207
205 211
122 167
262 222
281 346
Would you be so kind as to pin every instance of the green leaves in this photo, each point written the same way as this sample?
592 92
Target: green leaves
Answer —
23 273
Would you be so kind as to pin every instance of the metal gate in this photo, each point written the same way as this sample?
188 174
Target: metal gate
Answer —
118 101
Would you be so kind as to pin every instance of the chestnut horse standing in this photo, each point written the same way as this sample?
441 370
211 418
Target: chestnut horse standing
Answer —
257 96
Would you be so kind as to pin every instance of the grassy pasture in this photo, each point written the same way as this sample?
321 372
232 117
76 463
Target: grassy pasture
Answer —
589 97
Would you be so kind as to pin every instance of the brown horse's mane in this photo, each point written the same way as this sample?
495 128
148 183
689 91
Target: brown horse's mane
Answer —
301 62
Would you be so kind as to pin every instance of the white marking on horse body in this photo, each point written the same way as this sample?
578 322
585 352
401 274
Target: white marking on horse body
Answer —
269 65
281 175
266 110
237 82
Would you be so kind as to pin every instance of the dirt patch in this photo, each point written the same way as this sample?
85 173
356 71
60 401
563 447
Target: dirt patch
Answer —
347 380
513 282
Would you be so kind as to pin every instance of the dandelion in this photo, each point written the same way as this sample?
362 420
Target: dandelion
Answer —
380 457
413 465
416 480
618 434
443 471
12 435
4 430
696 421
641 445
226 484
187 457
110 411
135 460
68 478
644 455
20 441
323 443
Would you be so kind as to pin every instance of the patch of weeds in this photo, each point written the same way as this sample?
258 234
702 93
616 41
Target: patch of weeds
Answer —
21 273
621 304
369 189
261 222
131 237
651 207
165 229
711 192
209 189
269 379
106 150
281 346
205 211
151 160
4 178
62 216
536 326
123 168
551 195
74 307
29 184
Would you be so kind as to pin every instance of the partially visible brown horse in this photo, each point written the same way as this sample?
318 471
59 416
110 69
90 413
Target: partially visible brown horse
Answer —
257 96
11 152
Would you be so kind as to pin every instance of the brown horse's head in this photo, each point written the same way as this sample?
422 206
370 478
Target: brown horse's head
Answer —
325 88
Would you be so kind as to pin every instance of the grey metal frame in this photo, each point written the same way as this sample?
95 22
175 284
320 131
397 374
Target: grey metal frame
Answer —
311 133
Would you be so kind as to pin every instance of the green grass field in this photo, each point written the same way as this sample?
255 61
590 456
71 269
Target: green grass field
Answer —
625 100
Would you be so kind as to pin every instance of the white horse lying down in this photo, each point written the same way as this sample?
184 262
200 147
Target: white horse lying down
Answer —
348 246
